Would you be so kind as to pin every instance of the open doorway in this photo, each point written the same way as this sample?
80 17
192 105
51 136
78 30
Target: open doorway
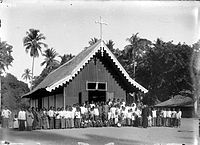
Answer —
96 96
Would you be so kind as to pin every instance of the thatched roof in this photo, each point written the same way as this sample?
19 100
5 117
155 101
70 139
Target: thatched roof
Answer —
177 101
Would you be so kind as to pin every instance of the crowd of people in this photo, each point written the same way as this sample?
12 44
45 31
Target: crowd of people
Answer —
114 113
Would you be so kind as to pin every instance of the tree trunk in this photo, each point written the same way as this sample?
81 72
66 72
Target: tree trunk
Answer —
32 73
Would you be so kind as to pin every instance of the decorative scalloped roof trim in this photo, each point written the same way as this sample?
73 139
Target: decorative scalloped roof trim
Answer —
74 72
133 82
86 60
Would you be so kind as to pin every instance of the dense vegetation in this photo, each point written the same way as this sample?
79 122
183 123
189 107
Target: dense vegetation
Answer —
12 90
164 68
161 67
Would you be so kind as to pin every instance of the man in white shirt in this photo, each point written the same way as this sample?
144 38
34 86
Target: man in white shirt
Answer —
154 116
62 115
169 113
112 110
22 119
96 113
67 118
173 118
51 116
178 117
164 115
83 111
6 113
72 115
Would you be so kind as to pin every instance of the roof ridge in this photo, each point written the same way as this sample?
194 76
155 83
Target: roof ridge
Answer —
73 58
68 70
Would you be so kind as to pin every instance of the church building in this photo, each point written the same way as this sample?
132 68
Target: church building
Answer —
94 74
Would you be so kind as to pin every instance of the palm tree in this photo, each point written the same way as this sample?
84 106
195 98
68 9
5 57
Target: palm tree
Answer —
27 74
5 59
32 43
110 44
93 41
136 49
49 60
65 58
130 49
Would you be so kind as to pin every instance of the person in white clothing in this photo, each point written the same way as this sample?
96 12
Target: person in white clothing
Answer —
96 113
123 103
164 115
154 117
57 118
149 120
67 117
77 115
22 119
168 120
92 104
72 115
112 110
123 116
178 117
173 118
129 117
6 113
62 118
15 122
83 112
51 115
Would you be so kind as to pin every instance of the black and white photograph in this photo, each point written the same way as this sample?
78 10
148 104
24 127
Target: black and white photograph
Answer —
99 72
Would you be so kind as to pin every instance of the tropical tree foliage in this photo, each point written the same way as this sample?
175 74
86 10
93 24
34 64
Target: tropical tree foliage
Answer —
5 55
50 58
164 69
110 44
12 90
5 60
93 41
53 65
33 45
65 58
27 74
134 52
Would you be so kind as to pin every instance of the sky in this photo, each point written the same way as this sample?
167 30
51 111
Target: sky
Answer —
69 25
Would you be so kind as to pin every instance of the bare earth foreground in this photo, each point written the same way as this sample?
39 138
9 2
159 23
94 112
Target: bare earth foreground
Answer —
187 134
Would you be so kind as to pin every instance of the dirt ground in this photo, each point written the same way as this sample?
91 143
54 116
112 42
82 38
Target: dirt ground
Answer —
187 134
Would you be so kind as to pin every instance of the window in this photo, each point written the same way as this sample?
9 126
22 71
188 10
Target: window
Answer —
96 86
101 86
91 86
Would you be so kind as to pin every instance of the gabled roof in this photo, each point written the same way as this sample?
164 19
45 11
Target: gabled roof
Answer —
69 70
177 101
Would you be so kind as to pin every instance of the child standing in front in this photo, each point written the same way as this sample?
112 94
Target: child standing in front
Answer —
15 122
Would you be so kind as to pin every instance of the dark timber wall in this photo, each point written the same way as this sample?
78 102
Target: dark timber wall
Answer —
94 71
